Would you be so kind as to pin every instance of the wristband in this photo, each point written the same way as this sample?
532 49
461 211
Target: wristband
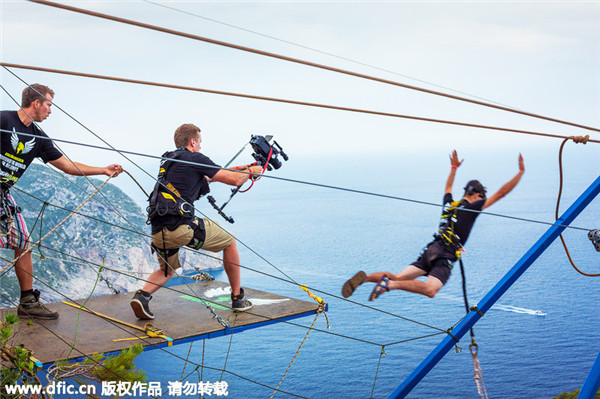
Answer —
454 166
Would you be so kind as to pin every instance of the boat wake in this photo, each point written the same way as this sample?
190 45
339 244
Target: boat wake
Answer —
505 308
515 309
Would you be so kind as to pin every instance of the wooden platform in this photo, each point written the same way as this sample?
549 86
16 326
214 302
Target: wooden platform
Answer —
180 314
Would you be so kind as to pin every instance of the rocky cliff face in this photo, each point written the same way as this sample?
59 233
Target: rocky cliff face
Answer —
74 252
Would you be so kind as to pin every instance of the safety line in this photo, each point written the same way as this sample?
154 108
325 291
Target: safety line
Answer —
281 100
377 370
325 53
296 60
295 355
329 186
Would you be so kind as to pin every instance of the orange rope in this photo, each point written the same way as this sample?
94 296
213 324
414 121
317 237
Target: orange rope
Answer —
172 86
296 60
576 139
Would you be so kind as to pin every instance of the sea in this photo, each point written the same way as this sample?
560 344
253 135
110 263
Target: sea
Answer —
539 340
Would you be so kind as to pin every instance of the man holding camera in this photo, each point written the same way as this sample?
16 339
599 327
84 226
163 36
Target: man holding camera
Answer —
174 225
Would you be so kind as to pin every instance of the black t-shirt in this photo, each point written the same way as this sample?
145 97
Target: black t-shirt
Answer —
464 219
187 179
18 151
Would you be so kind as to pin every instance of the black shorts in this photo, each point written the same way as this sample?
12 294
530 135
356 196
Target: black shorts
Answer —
436 262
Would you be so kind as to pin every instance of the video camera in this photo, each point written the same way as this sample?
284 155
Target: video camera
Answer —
265 153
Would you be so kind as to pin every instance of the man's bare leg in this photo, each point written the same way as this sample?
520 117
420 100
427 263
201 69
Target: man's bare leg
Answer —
24 269
231 260
428 288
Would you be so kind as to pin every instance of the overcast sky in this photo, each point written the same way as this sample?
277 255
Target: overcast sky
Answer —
542 57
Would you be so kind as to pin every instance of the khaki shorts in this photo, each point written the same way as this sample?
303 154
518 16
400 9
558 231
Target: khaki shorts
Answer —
216 240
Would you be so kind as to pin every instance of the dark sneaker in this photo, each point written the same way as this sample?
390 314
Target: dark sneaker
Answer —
30 307
239 303
140 305
594 236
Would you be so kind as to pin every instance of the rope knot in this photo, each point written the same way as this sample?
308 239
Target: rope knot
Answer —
580 139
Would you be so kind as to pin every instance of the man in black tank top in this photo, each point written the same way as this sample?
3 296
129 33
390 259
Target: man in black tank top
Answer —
438 257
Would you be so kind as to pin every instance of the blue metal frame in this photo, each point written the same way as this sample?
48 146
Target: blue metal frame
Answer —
499 289
592 382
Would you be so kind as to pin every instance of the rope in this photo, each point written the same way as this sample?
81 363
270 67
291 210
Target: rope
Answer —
319 311
136 182
324 52
39 217
82 307
187 358
377 371
328 186
477 372
576 139
281 100
202 369
295 60
464 290
229 347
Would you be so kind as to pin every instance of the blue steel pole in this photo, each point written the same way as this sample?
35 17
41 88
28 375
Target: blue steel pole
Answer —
499 289
592 382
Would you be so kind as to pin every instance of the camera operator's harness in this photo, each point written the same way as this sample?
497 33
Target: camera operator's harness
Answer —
165 199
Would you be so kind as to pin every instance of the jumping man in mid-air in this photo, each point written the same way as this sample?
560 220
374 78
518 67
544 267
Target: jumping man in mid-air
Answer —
438 257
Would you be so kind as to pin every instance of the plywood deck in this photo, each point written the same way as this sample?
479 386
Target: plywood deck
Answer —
178 312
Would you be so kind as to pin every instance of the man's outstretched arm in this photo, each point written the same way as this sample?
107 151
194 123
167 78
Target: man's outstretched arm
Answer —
79 169
506 188
454 164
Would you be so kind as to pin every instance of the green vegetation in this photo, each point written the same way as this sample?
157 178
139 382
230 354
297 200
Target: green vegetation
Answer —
19 369
573 395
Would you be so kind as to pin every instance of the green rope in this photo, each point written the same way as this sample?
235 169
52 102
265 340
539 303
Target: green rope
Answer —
82 306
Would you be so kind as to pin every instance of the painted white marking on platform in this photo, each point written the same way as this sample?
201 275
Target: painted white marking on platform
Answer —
215 292
259 301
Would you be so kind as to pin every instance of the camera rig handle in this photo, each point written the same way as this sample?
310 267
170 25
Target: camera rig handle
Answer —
219 210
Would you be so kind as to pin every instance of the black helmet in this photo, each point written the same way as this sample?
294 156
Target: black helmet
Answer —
474 186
